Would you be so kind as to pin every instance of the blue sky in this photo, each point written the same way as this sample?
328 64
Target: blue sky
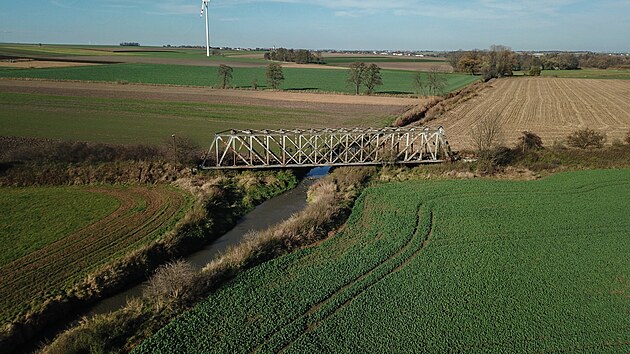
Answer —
602 25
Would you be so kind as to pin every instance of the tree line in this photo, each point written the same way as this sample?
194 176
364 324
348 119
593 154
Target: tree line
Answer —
499 61
300 56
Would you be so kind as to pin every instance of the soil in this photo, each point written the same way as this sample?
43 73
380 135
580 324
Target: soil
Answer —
38 64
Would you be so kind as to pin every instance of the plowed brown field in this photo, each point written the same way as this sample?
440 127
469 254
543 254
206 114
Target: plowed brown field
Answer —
145 213
550 107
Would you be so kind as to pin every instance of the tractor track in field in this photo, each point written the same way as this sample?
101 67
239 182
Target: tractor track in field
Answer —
310 324
142 212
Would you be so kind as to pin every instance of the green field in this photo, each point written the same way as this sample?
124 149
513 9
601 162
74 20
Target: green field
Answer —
33 217
297 79
56 236
439 266
67 51
128 121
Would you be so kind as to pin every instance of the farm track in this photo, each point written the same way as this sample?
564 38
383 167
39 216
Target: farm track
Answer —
341 298
551 107
143 213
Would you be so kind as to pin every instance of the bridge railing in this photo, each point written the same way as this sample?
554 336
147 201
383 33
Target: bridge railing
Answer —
241 149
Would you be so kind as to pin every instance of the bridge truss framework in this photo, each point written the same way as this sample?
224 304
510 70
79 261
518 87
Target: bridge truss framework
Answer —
248 149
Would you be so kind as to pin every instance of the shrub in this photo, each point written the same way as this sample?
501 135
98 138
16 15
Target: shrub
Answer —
487 134
529 141
172 284
586 138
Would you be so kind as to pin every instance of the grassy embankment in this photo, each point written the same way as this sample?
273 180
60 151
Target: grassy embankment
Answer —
439 266
296 79
128 121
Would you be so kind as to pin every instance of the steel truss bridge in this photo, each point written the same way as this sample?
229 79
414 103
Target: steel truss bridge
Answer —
248 149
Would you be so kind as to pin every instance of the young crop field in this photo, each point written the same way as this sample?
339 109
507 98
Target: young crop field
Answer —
132 121
55 236
296 79
550 107
439 266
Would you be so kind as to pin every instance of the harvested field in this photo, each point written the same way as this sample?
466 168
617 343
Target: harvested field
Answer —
59 261
39 64
550 107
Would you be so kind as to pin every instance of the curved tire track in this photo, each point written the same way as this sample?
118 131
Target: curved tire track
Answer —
143 213
331 305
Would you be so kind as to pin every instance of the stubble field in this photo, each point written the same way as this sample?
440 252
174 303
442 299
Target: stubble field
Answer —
551 107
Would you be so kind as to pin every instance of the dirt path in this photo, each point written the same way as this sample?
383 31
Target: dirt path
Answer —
296 100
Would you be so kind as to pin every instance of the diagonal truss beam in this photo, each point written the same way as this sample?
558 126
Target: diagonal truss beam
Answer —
242 149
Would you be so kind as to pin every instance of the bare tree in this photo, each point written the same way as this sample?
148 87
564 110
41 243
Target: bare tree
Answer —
487 134
225 75
274 75
372 78
419 83
436 81
356 75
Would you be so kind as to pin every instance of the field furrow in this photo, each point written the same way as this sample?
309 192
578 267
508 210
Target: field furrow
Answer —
144 214
550 107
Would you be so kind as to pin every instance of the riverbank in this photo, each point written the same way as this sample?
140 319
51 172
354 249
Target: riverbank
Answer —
220 200
330 201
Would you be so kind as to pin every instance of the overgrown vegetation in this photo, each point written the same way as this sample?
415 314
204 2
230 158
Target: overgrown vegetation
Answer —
436 106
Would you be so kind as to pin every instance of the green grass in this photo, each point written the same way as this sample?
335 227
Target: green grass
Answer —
34 217
127 121
587 74
297 79
59 235
439 266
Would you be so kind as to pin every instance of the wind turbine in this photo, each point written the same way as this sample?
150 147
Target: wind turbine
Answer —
204 5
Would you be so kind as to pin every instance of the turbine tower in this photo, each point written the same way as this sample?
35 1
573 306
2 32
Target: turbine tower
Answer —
204 6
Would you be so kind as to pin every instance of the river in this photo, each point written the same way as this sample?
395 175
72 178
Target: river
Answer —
269 213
